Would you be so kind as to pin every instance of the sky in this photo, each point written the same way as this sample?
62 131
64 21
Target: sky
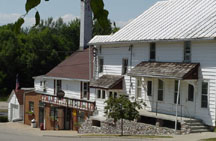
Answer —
120 11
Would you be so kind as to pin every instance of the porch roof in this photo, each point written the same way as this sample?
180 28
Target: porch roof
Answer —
175 70
108 82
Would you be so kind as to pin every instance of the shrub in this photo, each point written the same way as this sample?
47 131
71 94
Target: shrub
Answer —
3 119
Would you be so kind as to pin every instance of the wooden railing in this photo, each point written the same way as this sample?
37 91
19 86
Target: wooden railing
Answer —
70 103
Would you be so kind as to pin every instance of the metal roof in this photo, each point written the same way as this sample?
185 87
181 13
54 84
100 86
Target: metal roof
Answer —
166 70
168 20
108 82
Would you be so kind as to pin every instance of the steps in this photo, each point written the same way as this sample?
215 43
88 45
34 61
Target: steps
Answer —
196 126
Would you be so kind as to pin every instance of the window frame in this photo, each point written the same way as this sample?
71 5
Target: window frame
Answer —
160 96
31 106
58 85
149 94
100 64
187 51
124 66
152 49
138 88
98 94
206 95
85 90
190 97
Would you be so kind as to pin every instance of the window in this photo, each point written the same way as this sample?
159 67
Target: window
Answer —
176 92
115 94
98 93
190 92
44 86
31 106
41 83
101 63
139 88
85 90
124 66
110 94
152 51
160 90
204 96
149 88
187 51
103 94
59 85
54 113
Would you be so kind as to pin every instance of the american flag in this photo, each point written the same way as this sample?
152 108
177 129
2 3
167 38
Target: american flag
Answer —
17 82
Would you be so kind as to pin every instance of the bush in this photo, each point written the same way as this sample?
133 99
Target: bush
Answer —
3 119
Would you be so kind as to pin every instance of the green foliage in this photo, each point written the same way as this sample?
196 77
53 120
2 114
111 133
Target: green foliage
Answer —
18 25
3 119
107 30
97 6
122 107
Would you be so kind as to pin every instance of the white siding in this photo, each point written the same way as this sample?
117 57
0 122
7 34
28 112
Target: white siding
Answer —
203 52
15 111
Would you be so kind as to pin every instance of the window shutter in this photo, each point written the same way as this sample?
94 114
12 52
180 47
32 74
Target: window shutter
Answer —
81 89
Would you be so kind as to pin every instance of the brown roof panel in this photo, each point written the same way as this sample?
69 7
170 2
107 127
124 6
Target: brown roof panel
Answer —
177 70
19 94
75 66
108 82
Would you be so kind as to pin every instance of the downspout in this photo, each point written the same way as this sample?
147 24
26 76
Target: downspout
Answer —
177 101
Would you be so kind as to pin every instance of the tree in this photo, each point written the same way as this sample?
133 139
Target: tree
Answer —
122 108
97 7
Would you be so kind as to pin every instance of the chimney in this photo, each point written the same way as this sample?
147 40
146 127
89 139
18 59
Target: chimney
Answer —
85 24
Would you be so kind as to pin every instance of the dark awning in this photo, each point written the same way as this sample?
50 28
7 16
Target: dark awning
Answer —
166 70
108 82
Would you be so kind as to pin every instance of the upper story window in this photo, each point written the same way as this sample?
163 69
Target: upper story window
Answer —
152 52
44 86
59 85
85 90
138 88
100 63
204 95
187 51
160 90
124 66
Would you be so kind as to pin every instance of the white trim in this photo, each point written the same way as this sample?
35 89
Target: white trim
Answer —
61 78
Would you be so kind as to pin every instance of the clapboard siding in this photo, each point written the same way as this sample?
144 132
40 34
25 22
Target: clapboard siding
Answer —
203 52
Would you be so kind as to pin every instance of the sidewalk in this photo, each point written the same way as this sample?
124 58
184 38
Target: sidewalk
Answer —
20 128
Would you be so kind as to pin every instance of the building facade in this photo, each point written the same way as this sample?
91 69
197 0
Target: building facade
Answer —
164 57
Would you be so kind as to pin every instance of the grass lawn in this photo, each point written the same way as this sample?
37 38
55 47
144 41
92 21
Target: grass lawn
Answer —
3 110
4 98
209 139
127 136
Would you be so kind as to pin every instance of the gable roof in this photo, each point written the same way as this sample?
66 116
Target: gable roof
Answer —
168 20
75 66
166 70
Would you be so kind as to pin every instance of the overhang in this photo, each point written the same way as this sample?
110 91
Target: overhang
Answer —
174 70
108 82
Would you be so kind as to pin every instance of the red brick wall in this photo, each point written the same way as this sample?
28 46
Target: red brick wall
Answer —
34 97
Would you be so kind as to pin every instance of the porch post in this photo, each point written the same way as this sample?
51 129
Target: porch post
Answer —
177 100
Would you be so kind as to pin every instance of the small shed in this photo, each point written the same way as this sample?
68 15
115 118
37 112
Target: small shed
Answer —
15 104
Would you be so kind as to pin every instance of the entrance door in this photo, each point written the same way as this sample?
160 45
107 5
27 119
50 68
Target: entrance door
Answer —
41 115
67 118
189 109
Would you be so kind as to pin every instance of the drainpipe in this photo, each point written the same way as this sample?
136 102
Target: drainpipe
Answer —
177 101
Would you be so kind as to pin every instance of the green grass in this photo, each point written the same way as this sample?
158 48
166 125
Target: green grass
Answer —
3 98
3 110
127 136
209 139
3 119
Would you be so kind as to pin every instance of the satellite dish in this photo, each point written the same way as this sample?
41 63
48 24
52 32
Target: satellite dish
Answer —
60 94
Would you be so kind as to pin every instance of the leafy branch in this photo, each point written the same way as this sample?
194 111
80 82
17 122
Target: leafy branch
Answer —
97 6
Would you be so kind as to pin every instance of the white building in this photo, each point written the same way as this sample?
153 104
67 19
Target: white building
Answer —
171 45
